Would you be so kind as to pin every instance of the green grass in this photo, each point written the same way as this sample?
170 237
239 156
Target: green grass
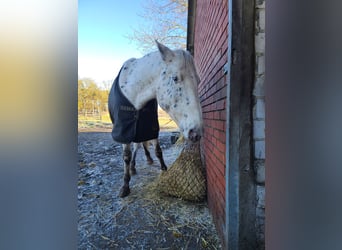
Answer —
165 122
104 118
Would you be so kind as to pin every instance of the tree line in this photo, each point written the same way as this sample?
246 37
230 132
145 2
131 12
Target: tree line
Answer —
92 100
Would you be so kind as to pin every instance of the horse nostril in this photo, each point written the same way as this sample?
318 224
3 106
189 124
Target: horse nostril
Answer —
194 136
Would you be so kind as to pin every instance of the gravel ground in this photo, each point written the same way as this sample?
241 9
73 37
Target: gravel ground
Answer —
144 219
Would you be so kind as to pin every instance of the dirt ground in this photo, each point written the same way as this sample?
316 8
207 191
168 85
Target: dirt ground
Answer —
143 220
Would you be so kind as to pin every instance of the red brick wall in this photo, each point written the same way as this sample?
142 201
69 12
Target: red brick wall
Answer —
210 54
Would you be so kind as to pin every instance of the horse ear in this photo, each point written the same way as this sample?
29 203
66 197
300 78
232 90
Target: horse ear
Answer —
165 52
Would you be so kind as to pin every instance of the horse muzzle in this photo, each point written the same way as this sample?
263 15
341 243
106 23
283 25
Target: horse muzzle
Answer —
195 134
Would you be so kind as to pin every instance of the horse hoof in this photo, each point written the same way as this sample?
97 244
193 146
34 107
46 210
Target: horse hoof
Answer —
124 192
133 171
149 161
164 168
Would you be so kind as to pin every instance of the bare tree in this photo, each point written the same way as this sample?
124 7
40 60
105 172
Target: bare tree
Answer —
162 20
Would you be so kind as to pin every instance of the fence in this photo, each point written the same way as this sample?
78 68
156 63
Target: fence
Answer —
94 116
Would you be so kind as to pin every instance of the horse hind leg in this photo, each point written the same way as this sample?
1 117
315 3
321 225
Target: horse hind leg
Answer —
147 153
159 155
127 155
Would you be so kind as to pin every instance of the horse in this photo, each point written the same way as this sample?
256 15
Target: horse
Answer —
166 77
149 159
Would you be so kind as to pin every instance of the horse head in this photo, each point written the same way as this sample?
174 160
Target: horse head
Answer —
177 91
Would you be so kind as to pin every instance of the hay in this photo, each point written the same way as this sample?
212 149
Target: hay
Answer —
186 177
180 224
146 219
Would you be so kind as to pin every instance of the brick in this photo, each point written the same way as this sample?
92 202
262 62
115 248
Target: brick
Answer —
262 19
216 135
261 64
259 167
223 89
221 146
222 158
220 207
259 149
213 139
223 115
210 130
259 108
260 196
222 137
259 129
260 4
209 115
222 183
221 104
209 159
217 169
211 176
259 90
219 125
260 43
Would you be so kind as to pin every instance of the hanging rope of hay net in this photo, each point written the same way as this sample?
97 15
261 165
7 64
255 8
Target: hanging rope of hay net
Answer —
185 178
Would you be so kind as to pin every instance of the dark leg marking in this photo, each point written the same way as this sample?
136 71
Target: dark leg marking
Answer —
159 155
127 155
147 153
133 170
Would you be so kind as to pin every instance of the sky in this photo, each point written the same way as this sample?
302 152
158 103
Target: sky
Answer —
102 45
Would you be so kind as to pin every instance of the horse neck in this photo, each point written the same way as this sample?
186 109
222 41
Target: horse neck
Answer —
139 80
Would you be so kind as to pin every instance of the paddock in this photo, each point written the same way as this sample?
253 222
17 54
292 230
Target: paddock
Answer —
143 220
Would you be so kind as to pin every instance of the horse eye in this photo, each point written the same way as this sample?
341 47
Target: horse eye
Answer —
175 78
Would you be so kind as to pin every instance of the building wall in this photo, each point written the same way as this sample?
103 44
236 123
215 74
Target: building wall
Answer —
259 119
210 54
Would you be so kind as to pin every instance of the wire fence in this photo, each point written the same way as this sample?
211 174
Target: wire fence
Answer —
94 116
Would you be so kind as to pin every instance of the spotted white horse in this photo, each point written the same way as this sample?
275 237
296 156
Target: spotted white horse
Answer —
168 77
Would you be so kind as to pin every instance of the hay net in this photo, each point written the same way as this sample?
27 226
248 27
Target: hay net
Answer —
186 176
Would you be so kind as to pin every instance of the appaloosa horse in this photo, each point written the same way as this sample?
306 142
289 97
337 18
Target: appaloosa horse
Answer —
167 77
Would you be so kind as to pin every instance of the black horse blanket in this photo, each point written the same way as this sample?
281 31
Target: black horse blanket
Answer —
129 124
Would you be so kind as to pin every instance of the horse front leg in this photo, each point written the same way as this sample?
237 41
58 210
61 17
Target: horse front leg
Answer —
127 155
133 170
159 155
